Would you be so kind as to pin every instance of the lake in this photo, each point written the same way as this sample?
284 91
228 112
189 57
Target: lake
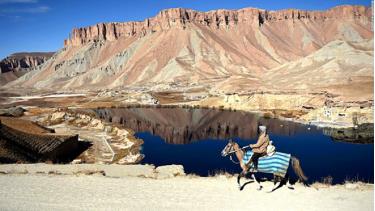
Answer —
195 137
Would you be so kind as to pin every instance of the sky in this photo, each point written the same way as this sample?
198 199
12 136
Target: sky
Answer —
42 25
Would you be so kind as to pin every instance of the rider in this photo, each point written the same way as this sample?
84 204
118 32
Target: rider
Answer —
260 148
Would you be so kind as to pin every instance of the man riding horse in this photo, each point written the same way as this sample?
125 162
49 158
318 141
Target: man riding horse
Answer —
260 148
276 163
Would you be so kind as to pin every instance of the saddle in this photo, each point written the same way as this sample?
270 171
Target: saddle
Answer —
271 149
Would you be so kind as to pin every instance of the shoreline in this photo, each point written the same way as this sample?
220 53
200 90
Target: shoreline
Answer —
319 124
308 109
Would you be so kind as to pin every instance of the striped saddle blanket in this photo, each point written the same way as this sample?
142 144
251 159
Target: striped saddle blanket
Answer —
276 164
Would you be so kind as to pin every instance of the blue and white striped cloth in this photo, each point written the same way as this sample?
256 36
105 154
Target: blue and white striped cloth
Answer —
276 164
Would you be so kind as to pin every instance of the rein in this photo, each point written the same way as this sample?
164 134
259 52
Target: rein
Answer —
238 149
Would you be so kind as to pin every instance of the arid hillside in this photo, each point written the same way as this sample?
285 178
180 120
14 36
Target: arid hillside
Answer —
223 50
340 67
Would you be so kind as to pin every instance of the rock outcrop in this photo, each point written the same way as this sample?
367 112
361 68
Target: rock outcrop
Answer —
16 65
111 144
218 19
20 61
12 111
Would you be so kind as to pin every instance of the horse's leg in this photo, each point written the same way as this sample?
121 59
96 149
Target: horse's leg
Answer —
276 182
288 184
298 170
242 174
274 179
239 179
255 179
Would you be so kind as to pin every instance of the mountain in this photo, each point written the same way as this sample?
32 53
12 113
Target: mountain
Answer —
18 64
340 66
220 50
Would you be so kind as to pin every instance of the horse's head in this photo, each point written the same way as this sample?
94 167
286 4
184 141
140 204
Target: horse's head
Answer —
228 148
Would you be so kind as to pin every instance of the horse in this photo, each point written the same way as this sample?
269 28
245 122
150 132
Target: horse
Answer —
279 177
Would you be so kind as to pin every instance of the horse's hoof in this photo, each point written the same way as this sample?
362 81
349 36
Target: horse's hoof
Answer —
260 188
291 188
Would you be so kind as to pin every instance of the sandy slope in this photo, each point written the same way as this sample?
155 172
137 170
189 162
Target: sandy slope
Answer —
39 192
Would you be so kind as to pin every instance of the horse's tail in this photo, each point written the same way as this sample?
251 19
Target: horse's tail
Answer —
298 170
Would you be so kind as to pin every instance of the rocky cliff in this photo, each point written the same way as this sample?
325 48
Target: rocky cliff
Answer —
218 19
16 65
19 61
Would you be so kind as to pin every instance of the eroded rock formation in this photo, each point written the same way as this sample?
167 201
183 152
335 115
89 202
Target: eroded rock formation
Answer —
18 64
218 19
222 49
19 61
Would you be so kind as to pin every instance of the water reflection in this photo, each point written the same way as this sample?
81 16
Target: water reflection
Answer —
182 126
168 134
364 134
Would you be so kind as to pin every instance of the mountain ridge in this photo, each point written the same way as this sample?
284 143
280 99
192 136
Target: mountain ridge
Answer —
216 18
220 56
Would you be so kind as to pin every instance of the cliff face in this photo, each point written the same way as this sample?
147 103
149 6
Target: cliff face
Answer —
18 61
236 50
16 65
219 19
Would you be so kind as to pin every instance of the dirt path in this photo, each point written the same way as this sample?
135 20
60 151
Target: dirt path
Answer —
42 192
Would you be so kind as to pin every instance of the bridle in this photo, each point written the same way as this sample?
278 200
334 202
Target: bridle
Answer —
230 153
231 159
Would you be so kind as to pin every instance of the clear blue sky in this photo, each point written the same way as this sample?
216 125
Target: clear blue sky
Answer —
41 25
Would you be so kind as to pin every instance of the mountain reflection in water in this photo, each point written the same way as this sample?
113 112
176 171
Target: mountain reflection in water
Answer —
195 137
184 125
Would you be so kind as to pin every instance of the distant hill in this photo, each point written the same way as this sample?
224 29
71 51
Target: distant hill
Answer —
18 64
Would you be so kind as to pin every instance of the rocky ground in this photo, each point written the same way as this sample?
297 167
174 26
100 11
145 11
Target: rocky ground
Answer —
110 143
104 142
39 190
